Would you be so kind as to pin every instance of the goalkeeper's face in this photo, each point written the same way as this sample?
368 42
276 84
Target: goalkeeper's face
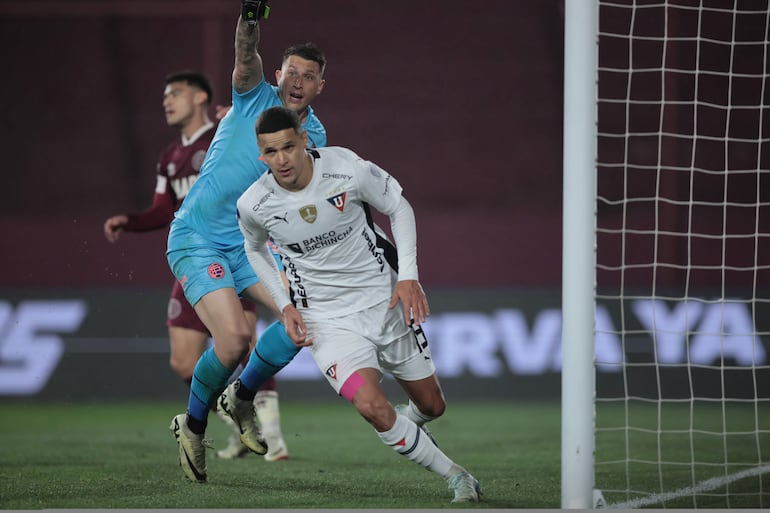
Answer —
299 82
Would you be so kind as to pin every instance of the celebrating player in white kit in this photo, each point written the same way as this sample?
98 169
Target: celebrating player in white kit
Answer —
345 282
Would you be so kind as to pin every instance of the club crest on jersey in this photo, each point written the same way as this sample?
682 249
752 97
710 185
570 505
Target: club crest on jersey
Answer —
197 159
309 213
338 201
331 371
216 270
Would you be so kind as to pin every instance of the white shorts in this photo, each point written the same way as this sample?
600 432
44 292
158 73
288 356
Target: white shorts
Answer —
376 338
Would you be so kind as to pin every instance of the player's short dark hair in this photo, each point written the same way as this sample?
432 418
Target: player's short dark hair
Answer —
194 79
276 119
308 51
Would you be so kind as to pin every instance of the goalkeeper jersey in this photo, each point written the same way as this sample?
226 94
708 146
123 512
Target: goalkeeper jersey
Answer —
232 163
331 254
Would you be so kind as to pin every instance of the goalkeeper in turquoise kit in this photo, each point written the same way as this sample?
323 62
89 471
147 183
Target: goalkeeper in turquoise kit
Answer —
205 246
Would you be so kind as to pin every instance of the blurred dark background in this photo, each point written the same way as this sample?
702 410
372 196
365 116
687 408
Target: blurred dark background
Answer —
462 102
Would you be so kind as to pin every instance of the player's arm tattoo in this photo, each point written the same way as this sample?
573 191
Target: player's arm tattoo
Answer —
248 64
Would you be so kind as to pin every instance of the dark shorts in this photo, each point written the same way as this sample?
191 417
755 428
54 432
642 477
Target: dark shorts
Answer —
181 314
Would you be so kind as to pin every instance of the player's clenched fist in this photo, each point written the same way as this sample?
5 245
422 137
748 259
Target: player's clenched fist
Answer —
113 226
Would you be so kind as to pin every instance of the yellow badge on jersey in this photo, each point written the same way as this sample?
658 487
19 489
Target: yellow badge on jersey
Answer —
309 213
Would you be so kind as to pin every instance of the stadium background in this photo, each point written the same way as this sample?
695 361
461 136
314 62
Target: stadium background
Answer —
461 101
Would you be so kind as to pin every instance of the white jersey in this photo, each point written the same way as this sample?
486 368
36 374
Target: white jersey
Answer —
335 262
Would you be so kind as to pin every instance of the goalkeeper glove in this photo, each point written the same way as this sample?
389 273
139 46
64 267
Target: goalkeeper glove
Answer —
253 10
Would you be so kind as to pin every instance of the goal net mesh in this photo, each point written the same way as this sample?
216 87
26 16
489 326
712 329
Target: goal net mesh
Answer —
683 254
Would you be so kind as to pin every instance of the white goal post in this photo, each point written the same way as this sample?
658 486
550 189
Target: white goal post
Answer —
666 254
578 262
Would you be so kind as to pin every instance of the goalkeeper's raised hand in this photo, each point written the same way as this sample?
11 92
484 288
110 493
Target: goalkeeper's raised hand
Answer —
254 10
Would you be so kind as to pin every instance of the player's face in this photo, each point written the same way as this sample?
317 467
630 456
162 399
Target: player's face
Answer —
284 152
299 82
178 103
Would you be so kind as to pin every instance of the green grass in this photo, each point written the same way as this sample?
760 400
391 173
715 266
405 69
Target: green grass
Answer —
678 434
123 456
77 456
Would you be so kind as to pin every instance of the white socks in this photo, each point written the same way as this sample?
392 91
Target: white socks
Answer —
266 406
408 440
416 416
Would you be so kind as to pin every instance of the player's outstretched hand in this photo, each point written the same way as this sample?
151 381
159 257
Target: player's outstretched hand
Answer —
295 327
413 299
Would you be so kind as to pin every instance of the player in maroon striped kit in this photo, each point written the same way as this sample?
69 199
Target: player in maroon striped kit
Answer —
186 100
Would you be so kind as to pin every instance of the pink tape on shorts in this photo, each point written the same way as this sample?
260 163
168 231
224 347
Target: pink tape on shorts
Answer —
351 386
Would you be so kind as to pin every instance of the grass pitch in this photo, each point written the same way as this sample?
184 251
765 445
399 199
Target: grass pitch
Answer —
78 456
122 456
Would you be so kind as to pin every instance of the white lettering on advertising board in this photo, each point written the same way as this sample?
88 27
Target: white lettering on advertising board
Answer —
484 345
30 346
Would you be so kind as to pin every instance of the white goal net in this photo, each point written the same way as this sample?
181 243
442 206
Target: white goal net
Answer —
683 254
